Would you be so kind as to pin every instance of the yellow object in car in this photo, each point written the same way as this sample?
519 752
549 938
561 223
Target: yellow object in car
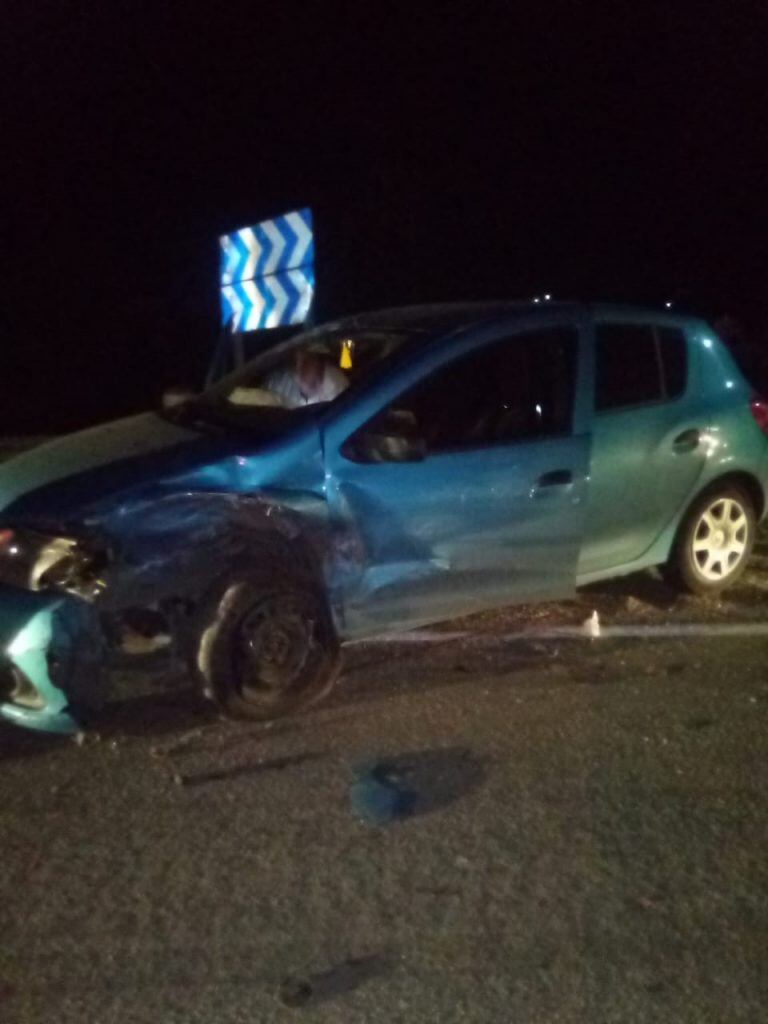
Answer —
345 360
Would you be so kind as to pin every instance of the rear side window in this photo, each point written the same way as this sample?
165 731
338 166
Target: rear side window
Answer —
637 364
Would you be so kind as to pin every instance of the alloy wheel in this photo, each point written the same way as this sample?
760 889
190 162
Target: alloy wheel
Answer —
720 539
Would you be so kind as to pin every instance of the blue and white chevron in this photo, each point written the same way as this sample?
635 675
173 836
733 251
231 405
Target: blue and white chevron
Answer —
267 273
276 300
284 243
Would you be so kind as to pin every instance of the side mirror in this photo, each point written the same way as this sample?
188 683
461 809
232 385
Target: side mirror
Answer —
176 396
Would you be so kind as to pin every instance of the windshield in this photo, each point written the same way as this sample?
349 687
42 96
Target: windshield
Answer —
314 368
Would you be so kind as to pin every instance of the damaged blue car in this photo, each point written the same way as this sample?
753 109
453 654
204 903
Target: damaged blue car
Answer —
375 474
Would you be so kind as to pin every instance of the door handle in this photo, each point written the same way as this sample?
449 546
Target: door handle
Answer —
688 441
555 478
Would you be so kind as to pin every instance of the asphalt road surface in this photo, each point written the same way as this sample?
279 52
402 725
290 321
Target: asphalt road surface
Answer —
474 829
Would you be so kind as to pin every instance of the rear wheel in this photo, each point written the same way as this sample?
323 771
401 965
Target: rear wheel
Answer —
714 542
265 645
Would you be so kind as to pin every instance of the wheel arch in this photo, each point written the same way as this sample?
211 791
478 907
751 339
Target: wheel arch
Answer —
742 479
208 647
679 567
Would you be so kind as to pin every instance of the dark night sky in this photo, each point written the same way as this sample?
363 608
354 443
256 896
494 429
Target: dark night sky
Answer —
452 151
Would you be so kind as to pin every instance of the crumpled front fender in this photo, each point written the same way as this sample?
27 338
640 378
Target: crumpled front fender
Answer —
173 546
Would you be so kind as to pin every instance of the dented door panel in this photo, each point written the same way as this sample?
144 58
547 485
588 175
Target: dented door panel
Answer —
460 532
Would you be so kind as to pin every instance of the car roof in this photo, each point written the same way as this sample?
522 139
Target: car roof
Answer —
434 317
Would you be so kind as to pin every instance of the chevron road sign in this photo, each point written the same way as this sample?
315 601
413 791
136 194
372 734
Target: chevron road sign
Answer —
272 301
267 273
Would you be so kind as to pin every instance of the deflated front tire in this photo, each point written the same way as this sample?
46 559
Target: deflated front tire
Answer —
264 643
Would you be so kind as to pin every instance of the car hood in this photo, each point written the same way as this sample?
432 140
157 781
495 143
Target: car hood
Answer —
69 475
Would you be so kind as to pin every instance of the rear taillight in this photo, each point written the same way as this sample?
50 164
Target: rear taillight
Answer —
759 409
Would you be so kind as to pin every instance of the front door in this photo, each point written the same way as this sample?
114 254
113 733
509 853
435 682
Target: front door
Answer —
463 488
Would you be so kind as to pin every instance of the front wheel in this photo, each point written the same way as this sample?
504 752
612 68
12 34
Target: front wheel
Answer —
714 542
265 645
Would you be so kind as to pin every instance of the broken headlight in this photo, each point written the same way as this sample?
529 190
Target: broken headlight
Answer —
38 561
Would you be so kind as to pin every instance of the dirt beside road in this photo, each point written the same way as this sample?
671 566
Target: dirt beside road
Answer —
470 830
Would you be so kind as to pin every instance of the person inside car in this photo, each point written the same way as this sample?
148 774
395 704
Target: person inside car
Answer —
312 378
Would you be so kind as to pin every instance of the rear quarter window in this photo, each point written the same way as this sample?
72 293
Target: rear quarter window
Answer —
638 364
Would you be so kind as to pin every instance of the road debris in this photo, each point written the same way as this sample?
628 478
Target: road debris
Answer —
296 991
414 783
181 744
83 738
591 626
257 767
378 795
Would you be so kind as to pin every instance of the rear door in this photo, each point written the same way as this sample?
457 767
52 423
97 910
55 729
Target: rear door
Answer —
473 494
647 448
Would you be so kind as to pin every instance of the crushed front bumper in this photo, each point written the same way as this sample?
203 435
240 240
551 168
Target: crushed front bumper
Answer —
46 658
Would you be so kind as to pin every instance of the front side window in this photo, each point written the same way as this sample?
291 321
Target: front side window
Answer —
638 364
312 370
517 389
